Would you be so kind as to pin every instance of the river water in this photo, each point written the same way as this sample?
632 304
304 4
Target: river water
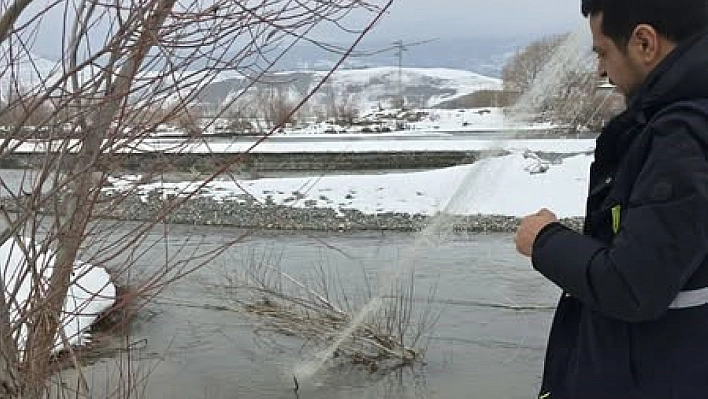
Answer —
488 343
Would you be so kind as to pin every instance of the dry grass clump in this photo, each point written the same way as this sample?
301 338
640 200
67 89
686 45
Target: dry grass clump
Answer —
340 327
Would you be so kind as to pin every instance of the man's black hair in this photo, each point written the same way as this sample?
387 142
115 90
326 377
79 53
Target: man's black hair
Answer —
676 20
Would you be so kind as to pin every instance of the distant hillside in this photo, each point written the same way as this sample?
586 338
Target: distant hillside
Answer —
362 89
484 55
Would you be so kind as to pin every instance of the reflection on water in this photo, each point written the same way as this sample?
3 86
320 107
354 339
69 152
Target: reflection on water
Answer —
489 341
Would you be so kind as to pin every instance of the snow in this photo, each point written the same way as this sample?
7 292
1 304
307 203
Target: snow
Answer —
506 185
90 293
358 143
491 119
354 142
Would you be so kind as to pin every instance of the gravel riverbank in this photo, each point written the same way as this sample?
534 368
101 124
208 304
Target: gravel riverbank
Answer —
250 214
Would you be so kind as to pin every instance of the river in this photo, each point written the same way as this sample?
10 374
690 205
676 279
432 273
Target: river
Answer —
488 343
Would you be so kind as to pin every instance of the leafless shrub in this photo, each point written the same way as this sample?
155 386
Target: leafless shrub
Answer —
520 72
339 105
556 81
277 105
125 67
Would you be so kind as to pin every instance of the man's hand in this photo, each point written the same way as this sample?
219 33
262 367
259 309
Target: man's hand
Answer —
529 228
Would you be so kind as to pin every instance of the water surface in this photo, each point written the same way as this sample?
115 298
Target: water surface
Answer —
488 343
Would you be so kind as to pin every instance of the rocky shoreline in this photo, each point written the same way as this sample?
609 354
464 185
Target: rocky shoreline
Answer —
243 213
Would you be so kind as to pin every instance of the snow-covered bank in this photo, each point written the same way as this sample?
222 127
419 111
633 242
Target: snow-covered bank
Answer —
353 143
340 143
495 186
90 293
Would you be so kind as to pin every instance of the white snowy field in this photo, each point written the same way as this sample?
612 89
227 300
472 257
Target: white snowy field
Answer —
500 186
474 120
430 120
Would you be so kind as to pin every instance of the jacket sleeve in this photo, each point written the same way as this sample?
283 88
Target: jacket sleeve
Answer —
661 242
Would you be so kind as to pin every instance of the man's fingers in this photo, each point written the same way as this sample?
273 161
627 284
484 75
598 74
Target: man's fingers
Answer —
545 213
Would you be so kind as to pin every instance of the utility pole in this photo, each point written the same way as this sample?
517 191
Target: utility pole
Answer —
400 49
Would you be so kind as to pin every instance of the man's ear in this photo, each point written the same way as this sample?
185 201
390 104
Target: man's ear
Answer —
645 42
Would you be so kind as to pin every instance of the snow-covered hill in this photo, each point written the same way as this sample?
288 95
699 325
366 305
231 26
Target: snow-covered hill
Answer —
362 89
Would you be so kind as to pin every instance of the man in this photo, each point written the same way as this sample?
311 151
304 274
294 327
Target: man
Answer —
633 319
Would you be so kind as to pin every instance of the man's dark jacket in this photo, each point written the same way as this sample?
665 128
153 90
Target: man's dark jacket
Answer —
633 320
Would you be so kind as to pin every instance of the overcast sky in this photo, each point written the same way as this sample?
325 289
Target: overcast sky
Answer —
416 19
412 20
